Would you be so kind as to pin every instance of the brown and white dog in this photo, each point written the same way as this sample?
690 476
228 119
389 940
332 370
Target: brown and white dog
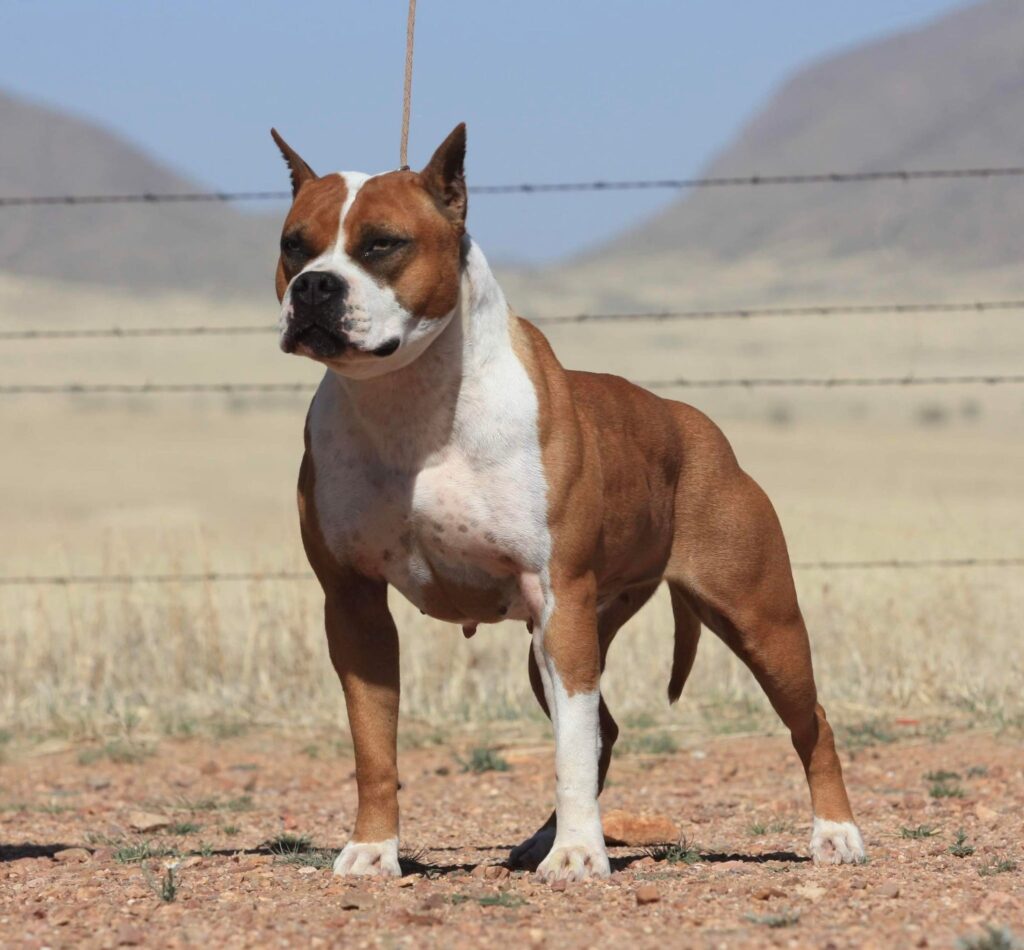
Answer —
450 455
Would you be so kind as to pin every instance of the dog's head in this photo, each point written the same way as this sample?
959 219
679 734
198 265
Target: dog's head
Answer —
370 266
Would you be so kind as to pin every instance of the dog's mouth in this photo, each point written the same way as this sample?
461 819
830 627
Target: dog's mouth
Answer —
312 339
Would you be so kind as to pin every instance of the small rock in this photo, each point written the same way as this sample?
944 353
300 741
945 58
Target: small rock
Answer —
192 862
643 862
209 768
986 815
421 920
72 856
408 881
355 900
767 893
433 902
307 870
889 889
536 936
812 892
559 886
147 821
103 855
129 936
647 894
629 828
496 872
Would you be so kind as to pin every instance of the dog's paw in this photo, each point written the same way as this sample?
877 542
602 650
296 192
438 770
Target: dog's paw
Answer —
836 842
369 859
533 850
574 862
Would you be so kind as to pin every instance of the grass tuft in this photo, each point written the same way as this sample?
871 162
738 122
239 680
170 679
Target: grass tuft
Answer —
863 735
299 850
483 759
119 751
921 831
758 828
138 851
649 743
501 899
994 938
960 848
998 867
786 918
944 784
183 828
682 852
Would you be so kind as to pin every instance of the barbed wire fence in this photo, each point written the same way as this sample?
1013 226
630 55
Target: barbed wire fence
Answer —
539 188
70 201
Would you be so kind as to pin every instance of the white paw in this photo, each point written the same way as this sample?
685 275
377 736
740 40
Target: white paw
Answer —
574 862
533 850
369 859
836 842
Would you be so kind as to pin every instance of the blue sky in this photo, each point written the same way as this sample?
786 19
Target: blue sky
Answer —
550 90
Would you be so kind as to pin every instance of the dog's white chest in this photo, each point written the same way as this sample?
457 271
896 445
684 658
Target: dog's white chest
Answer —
449 511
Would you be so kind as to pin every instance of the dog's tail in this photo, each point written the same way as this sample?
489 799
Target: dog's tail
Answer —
687 638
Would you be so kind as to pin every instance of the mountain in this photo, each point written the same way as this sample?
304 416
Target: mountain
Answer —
948 95
214 249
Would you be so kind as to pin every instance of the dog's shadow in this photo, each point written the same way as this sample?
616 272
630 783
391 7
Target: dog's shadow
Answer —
417 865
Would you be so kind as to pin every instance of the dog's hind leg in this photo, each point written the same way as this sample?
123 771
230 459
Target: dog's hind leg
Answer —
730 564
610 620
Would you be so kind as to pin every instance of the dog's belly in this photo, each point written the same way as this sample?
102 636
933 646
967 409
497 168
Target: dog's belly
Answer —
452 538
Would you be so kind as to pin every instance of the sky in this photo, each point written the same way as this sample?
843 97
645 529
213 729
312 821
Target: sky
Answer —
551 91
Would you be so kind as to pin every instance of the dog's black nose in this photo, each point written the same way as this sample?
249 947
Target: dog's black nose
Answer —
317 288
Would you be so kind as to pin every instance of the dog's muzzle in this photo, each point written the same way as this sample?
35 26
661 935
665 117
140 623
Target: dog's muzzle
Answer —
318 307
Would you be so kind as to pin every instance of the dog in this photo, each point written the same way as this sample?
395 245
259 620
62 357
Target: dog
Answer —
450 455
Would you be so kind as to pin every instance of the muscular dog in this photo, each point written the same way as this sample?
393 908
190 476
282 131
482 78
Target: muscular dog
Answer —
449 454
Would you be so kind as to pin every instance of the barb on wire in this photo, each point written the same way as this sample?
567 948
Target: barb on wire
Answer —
741 313
827 382
536 188
236 577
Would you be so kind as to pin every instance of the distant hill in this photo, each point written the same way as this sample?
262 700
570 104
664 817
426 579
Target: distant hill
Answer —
950 94
214 249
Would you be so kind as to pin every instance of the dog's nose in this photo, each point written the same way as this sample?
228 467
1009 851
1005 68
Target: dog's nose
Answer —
318 287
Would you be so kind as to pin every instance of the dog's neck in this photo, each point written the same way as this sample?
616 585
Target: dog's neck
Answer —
418 405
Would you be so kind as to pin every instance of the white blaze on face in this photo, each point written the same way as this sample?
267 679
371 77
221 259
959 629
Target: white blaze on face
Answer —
374 317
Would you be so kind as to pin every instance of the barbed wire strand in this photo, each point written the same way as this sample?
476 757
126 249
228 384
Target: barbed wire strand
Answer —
826 382
532 188
231 577
741 313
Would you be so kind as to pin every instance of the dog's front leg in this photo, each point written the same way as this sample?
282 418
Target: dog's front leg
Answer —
363 644
565 644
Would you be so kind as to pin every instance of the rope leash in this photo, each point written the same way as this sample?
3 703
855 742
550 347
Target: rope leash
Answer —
410 29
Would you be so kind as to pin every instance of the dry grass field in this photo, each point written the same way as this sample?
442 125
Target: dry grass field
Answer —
179 484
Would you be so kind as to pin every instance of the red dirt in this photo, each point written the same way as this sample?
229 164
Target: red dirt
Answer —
741 802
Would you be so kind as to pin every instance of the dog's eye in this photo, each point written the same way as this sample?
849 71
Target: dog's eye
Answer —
381 245
292 246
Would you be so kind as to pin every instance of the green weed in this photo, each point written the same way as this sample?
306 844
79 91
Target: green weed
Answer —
786 918
921 831
482 759
960 848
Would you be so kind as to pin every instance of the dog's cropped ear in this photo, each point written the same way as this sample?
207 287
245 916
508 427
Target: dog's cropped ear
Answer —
445 176
300 171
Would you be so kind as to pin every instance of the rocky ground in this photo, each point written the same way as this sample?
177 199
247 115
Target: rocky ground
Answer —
229 843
